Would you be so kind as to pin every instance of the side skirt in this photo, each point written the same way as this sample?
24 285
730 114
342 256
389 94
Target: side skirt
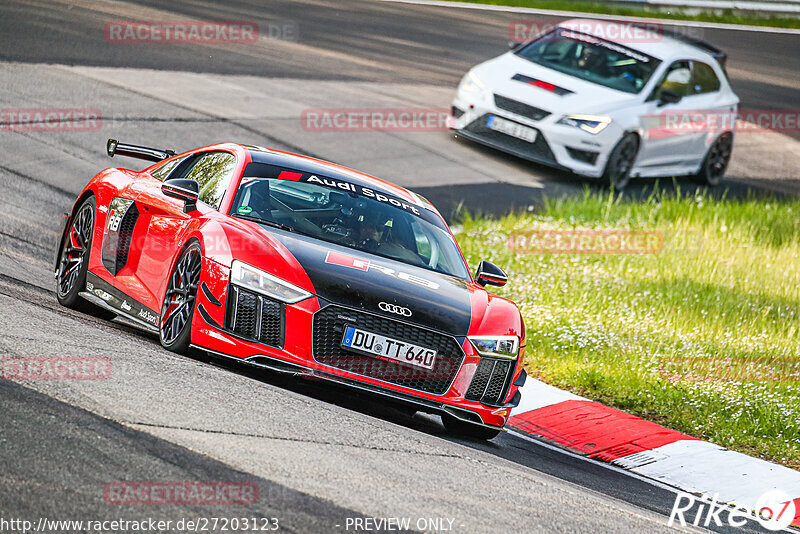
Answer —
102 294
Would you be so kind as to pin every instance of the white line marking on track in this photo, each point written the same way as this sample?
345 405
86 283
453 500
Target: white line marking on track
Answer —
616 469
703 467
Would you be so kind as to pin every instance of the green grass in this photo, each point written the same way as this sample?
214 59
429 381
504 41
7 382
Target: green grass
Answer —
725 16
702 337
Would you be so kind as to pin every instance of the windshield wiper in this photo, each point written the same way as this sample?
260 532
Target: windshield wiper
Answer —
266 222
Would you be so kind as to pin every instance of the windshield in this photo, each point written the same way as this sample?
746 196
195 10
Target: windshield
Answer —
349 215
592 59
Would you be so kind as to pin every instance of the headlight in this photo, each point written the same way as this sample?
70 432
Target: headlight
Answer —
496 346
588 123
257 280
471 84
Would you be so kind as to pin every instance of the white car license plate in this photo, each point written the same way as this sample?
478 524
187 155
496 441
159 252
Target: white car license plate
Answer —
511 128
386 347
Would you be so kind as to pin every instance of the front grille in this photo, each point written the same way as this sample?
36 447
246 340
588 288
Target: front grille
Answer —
255 317
520 108
538 150
491 380
329 326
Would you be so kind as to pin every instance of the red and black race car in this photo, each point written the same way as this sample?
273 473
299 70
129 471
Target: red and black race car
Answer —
300 266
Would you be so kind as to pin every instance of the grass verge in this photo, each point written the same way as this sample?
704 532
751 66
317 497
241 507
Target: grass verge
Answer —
723 16
702 336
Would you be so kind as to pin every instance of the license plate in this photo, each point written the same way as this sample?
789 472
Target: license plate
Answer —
511 128
386 347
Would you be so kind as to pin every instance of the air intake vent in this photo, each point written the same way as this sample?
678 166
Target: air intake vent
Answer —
490 382
255 317
519 108
122 217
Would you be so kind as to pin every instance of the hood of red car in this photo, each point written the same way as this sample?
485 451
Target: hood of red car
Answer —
382 286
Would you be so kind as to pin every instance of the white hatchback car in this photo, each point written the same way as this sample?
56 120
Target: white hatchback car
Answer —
606 109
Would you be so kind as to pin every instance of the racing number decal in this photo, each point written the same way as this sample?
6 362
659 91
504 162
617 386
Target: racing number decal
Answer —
113 221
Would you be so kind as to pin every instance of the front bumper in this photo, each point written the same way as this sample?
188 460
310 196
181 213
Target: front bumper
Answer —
556 145
306 349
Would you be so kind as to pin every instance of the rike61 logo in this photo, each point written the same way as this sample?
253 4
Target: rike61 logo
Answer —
774 510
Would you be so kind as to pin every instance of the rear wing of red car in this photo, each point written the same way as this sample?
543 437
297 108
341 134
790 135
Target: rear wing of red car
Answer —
114 147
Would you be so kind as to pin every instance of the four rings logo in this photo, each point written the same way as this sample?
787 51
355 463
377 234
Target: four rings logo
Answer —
391 308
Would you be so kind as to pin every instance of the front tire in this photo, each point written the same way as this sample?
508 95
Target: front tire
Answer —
617 173
469 430
716 161
73 264
177 310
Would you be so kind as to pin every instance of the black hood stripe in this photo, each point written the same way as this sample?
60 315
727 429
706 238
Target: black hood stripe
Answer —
363 281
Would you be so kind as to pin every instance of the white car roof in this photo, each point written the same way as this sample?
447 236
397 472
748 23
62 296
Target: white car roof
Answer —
659 46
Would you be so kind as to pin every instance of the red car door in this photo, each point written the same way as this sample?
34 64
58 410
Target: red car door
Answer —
120 238
164 223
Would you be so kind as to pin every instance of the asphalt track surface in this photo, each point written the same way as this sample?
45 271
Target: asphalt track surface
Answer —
319 454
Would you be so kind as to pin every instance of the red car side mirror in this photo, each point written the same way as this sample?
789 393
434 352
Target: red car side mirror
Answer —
490 274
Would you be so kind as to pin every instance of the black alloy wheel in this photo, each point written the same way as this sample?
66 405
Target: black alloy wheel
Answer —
177 309
716 161
73 264
617 173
